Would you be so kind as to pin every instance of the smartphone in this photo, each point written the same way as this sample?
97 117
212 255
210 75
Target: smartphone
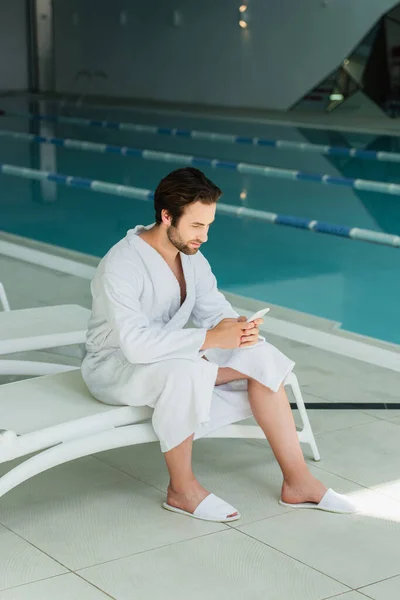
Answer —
258 315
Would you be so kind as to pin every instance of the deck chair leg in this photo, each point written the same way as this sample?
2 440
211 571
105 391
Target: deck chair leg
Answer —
117 437
3 298
306 435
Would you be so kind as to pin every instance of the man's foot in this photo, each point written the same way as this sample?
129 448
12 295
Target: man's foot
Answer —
189 498
306 489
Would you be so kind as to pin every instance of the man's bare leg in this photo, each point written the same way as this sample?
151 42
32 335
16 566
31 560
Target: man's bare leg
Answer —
273 414
184 491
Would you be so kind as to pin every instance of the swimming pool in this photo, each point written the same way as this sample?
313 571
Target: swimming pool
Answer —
354 283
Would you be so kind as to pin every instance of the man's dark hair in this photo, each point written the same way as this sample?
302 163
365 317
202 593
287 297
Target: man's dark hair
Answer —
180 188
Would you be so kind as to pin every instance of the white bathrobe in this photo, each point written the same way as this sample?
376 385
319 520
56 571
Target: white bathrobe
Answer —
140 352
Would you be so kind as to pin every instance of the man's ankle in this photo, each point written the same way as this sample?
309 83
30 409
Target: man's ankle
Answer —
183 485
298 477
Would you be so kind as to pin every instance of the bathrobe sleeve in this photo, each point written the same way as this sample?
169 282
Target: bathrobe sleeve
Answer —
141 341
211 306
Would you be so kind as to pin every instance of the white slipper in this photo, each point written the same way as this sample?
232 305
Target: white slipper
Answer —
212 508
331 502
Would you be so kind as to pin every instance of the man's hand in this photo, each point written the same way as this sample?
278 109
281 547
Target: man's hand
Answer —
250 336
228 334
233 333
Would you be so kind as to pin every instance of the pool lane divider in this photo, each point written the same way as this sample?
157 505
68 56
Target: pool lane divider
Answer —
214 163
212 136
354 233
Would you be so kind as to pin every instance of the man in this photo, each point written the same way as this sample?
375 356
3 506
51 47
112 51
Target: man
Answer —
145 290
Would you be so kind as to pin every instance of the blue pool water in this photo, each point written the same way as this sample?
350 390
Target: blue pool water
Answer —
354 283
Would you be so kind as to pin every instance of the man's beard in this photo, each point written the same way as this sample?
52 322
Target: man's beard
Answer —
176 240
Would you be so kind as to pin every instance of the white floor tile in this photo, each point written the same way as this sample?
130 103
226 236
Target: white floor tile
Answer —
223 566
384 590
355 549
64 481
17 299
42 285
348 596
102 524
323 421
63 587
22 563
363 387
367 454
339 379
37 356
385 415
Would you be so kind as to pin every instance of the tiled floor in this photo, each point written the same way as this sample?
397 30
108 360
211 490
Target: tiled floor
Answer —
94 528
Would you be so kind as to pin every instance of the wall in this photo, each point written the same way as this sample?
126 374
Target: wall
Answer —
288 47
13 45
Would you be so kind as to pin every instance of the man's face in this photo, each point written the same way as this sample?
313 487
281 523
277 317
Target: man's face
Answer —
192 228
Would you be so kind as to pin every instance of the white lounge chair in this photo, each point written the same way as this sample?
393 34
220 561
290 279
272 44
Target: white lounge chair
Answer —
38 329
56 417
